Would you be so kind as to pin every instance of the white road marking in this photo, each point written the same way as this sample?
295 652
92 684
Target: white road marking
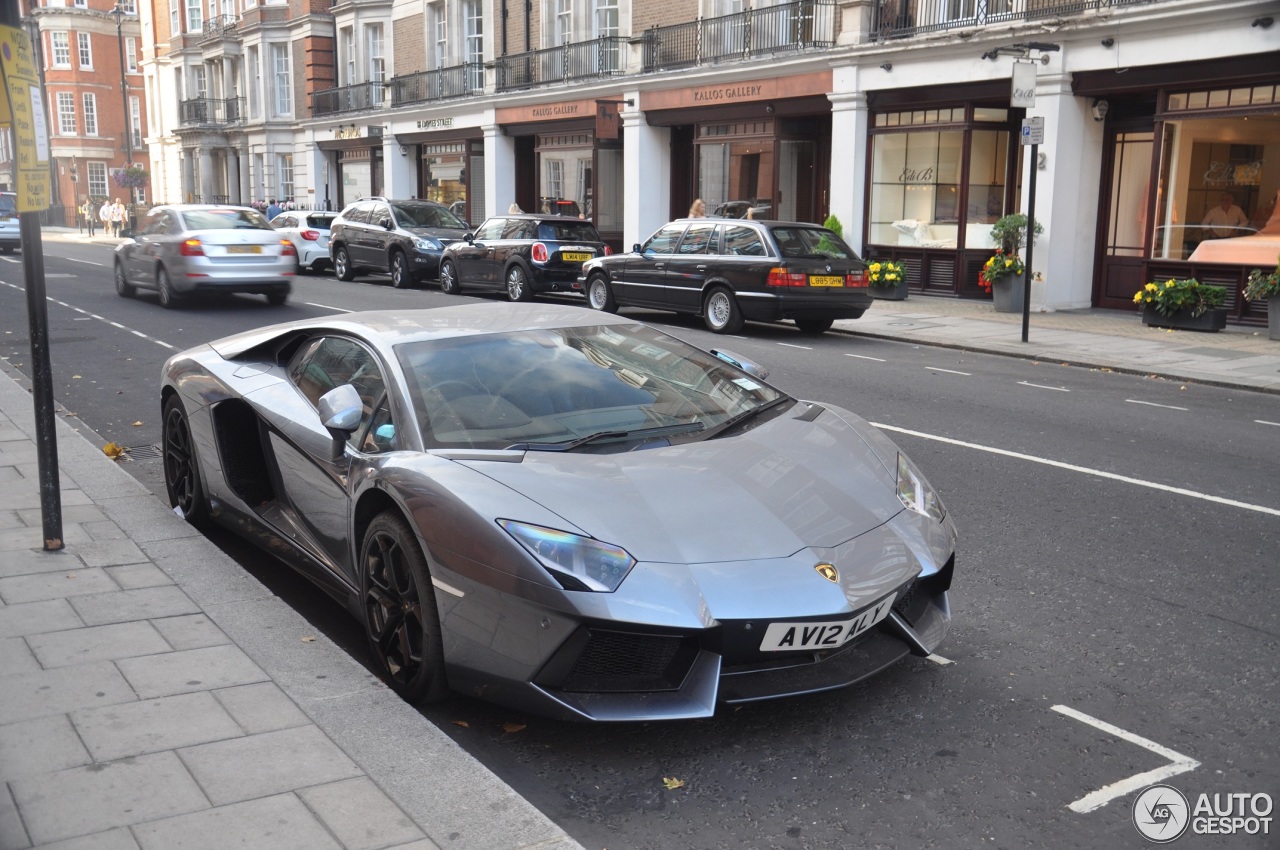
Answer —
1178 763
801 347
86 262
1043 387
865 357
938 659
1153 404
1071 467
10 260
84 312
327 307
948 371
1265 422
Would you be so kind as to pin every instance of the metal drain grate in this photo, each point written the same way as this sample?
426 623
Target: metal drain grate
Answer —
144 452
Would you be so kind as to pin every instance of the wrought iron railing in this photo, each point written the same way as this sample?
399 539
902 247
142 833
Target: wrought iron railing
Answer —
220 26
600 57
440 84
211 111
902 18
351 98
763 31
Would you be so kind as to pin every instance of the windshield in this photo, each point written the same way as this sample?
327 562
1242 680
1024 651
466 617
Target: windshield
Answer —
812 243
228 219
546 387
426 215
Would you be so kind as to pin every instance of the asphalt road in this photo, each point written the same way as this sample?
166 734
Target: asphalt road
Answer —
1114 597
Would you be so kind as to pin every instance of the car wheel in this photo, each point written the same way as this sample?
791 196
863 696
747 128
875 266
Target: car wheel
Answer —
449 283
814 326
721 313
123 288
168 298
277 299
518 284
600 296
342 265
400 610
181 468
401 277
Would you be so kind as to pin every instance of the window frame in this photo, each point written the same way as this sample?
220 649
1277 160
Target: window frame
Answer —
60 49
89 102
84 51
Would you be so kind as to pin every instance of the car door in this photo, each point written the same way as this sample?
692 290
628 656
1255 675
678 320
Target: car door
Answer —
687 268
158 237
131 254
380 233
645 274
474 258
357 234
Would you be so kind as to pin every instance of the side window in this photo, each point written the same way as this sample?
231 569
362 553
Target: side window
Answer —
381 216
360 215
491 229
515 228
743 241
664 241
330 362
381 435
152 224
697 239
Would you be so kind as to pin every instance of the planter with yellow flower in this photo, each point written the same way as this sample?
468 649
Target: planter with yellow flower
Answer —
1265 286
1183 304
888 280
1002 277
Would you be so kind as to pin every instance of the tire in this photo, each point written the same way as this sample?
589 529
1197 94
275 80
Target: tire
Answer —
168 298
401 276
401 620
342 265
600 296
277 299
123 288
720 312
814 327
518 284
449 283
181 467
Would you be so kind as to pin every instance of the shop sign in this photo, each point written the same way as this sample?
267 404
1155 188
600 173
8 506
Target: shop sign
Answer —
352 132
435 123
556 110
607 119
1024 85
728 94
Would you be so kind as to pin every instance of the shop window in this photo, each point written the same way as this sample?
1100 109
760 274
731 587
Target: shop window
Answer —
444 173
1130 180
608 210
988 162
915 183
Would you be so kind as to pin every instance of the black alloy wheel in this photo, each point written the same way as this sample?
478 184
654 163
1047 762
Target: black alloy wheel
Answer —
401 277
181 469
123 288
342 265
168 298
518 284
449 283
400 610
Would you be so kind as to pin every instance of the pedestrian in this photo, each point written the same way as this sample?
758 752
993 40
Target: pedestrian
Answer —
119 218
88 215
273 209
514 209
104 215
698 209
1224 220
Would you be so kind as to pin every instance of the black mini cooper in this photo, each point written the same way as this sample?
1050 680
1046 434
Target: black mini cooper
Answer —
522 255
729 271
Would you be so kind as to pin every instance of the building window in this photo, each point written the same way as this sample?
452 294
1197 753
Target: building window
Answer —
66 114
347 56
284 171
82 4
374 46
199 82
195 17
61 48
135 122
90 114
86 50
282 81
255 82
175 24
97 179
563 29
131 55
474 44
440 31
606 26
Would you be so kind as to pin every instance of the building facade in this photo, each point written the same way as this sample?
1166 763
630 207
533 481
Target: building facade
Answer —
896 116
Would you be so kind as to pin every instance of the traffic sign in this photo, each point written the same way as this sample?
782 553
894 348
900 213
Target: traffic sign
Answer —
1032 131
26 120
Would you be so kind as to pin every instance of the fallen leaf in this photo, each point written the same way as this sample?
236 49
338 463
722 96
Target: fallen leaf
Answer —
75 377
513 727
113 450
672 783
136 424
464 724
309 639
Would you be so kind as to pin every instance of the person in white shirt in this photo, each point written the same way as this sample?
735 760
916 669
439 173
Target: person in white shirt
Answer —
1225 219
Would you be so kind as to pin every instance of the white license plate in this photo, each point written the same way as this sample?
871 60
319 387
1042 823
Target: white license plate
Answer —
785 637
244 249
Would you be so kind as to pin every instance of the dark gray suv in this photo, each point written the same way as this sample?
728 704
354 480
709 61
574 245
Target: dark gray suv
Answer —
401 238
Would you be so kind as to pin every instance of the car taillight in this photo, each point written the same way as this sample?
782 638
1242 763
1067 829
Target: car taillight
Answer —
608 252
857 279
310 235
191 248
539 252
782 277
287 249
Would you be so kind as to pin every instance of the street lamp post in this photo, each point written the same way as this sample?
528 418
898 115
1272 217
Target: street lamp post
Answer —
118 13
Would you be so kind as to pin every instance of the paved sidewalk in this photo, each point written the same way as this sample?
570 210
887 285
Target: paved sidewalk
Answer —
153 695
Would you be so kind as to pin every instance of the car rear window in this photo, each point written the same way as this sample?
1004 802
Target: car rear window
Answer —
811 243
426 215
228 219
743 241
321 221
568 231
8 204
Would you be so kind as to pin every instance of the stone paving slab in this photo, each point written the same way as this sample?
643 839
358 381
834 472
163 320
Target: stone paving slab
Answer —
45 692
16 657
33 618
190 631
282 820
130 729
190 670
40 745
98 643
360 815
28 560
42 586
261 707
143 604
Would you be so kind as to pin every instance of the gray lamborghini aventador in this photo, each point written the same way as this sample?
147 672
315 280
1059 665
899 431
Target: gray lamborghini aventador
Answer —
567 512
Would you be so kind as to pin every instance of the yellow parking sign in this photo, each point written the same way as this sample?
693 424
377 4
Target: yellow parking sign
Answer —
26 119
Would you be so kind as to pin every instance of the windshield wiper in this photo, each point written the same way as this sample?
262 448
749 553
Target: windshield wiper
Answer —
601 436
739 418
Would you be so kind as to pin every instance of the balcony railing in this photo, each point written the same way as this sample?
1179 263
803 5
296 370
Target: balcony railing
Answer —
440 84
351 98
211 112
747 34
600 57
902 18
220 26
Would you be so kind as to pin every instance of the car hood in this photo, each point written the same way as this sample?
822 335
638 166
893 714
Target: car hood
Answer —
444 234
778 488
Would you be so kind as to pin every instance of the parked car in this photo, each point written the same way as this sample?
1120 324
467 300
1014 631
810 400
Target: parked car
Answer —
308 230
762 208
402 238
184 249
731 271
563 511
10 228
522 255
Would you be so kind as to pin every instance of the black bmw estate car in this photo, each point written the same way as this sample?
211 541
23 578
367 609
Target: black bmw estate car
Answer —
728 271
522 255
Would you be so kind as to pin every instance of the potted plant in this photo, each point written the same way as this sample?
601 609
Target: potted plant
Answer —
1266 287
1184 304
131 177
1001 275
888 280
1010 232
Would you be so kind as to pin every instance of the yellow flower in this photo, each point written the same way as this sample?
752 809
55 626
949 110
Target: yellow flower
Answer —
1168 284
891 276
1150 287
1008 263
1137 298
875 267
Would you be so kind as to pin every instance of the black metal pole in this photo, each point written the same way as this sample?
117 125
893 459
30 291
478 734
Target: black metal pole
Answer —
1031 241
118 13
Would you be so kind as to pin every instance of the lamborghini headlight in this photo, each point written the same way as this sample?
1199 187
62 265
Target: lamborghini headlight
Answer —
578 563
915 493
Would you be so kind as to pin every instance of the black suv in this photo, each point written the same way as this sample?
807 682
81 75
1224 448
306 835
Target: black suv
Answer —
728 271
522 254
404 238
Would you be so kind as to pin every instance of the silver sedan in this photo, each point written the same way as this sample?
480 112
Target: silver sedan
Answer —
180 250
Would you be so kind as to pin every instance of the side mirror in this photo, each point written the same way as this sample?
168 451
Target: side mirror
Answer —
385 224
469 237
635 249
745 364
340 412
